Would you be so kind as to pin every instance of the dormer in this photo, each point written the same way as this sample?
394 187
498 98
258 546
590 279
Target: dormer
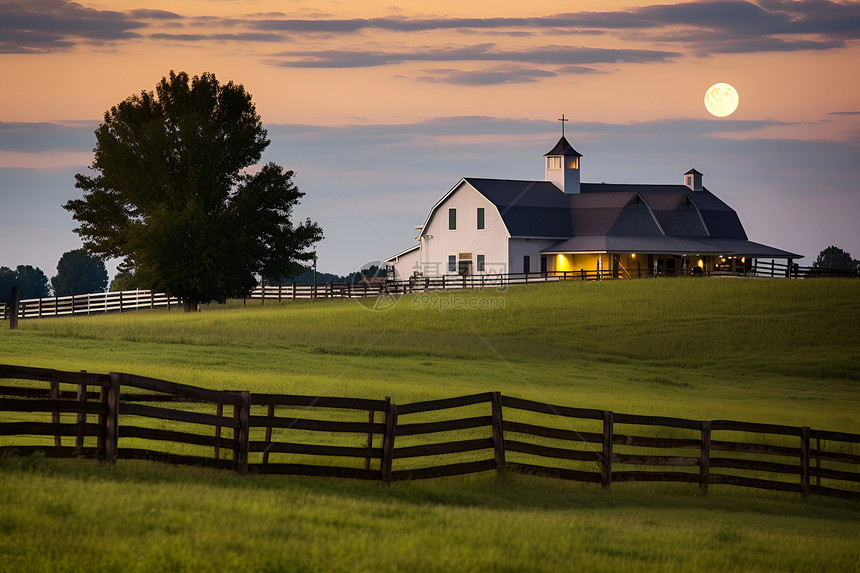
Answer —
562 166
693 180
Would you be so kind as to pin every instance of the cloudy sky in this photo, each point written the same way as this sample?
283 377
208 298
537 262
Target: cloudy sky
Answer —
381 107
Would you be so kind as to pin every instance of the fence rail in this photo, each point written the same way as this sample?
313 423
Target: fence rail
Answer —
414 284
771 269
125 301
111 416
95 303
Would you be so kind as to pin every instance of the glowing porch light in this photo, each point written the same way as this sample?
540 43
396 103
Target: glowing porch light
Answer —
701 264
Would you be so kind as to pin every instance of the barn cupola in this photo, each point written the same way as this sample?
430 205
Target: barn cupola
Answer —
562 166
693 180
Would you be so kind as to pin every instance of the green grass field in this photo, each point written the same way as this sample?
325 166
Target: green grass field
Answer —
756 350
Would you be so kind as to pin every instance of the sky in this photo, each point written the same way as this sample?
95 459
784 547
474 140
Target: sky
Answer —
381 107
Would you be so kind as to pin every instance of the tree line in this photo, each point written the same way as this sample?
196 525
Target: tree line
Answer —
307 276
81 273
77 273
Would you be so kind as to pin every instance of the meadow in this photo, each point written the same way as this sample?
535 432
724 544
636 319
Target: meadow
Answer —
773 351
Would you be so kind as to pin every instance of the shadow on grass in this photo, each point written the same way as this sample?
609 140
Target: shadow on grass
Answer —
488 490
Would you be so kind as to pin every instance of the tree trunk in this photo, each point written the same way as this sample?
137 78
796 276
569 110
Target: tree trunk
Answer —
190 305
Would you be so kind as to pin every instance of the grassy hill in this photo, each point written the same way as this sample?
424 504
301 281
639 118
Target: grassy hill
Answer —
756 350
772 351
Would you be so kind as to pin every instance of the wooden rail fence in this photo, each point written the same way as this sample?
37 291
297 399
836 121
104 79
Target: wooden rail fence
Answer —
767 269
95 303
124 301
111 416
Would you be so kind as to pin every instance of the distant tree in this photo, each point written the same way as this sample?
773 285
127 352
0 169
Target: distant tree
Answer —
7 281
305 276
835 258
369 272
79 273
124 280
32 282
173 194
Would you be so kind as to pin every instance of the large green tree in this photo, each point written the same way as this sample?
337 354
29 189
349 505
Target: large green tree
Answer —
79 273
176 196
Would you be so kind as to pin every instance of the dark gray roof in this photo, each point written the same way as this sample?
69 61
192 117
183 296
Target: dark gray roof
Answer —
563 148
611 214
720 220
528 208
622 218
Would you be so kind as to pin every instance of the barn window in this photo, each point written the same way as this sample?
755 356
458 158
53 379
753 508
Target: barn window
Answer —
452 219
480 218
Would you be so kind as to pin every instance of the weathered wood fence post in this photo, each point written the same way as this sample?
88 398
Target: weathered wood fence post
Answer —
804 462
705 457
13 310
55 413
81 418
371 418
498 430
388 441
110 396
817 461
219 411
270 412
242 413
606 459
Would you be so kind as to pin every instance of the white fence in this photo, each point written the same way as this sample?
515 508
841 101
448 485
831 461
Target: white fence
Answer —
96 303
138 299
413 284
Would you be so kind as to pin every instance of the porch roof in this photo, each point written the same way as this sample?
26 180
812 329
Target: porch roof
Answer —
664 245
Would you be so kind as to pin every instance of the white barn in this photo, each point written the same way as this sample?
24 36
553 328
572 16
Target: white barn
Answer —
492 226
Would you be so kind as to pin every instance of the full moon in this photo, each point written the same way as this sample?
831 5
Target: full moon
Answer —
721 100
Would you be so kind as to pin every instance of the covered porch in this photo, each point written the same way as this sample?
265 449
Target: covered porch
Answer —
642 257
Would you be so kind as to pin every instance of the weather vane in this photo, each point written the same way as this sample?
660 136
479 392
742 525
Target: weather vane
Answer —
562 120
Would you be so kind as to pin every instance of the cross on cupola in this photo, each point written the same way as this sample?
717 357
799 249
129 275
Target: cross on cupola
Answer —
562 119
